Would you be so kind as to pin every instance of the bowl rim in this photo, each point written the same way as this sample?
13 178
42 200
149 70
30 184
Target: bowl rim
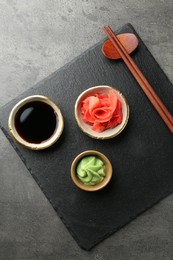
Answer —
101 184
47 143
95 136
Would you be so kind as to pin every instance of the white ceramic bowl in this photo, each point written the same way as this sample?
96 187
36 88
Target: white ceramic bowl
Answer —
86 128
45 144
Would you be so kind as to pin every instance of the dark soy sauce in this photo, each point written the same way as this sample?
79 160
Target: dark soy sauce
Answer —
35 122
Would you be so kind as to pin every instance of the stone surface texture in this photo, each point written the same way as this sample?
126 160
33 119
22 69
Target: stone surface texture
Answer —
37 38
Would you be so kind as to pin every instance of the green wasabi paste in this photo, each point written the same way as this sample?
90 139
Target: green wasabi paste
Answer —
91 170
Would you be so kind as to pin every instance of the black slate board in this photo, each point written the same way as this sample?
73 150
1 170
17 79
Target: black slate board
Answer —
141 155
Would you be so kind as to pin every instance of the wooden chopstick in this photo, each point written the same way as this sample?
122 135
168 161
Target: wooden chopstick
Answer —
142 77
144 84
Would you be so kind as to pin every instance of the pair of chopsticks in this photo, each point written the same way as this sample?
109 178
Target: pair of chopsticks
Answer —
142 81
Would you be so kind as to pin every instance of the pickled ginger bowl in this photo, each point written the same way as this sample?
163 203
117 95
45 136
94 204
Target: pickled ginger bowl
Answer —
101 112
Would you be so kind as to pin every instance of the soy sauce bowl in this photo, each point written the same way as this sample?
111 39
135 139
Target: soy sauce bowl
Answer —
108 171
108 133
56 131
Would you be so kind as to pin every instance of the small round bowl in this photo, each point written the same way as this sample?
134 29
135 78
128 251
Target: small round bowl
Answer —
108 133
98 186
47 143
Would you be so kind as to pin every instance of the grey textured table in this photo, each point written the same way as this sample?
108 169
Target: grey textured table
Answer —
38 37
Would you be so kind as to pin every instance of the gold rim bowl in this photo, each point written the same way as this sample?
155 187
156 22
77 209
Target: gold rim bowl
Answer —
86 128
47 143
98 186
